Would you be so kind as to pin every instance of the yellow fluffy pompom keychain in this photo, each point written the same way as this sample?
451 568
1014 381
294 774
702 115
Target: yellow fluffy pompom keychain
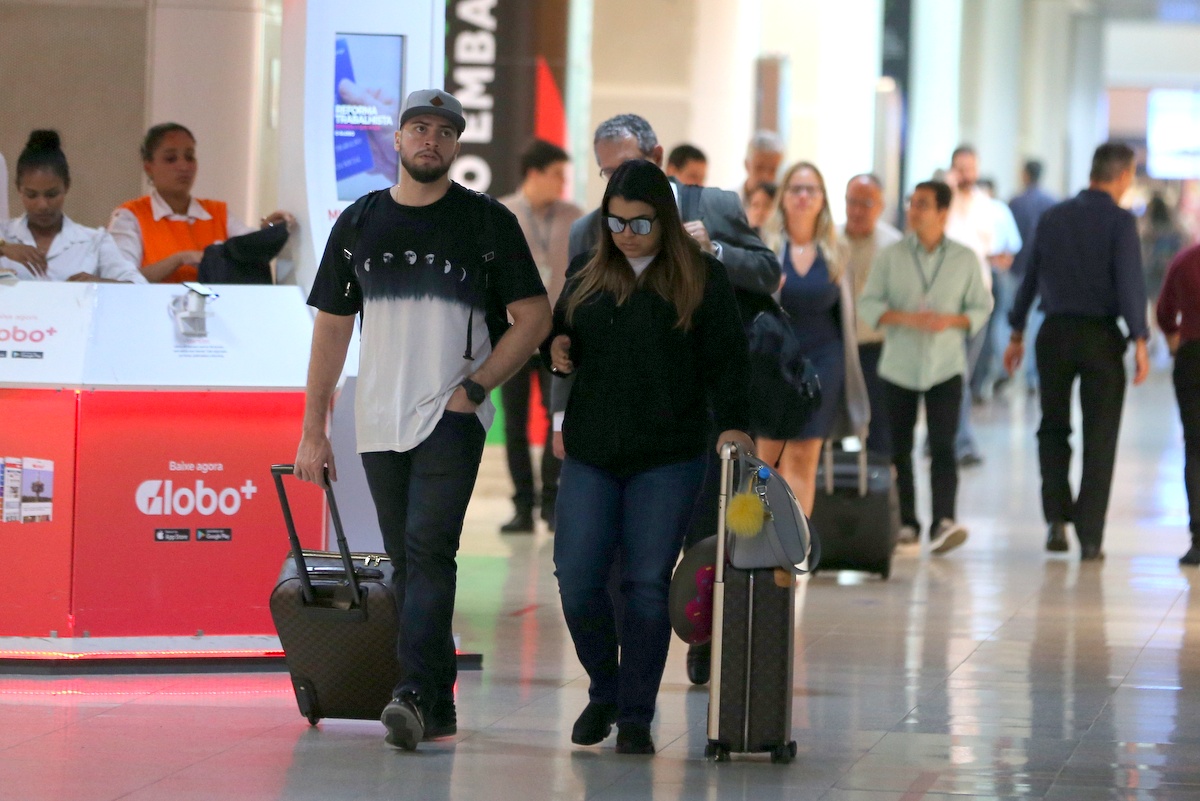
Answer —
745 515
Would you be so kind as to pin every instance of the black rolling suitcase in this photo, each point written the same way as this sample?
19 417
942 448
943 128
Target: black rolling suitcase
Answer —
336 618
856 511
753 637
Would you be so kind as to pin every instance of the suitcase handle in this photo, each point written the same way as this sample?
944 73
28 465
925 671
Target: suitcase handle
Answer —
863 468
278 471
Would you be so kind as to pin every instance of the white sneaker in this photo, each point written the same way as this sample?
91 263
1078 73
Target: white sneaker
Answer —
947 536
909 535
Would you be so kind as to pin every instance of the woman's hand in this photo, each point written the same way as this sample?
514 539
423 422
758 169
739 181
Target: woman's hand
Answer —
560 450
33 259
279 218
560 355
192 257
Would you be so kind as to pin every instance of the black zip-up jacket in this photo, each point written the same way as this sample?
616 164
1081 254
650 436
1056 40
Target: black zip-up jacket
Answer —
644 387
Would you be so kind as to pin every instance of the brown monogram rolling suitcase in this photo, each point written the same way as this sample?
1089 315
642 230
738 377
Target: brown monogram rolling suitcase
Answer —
336 618
750 692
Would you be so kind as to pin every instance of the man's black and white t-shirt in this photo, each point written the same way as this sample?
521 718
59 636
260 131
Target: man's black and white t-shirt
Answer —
421 281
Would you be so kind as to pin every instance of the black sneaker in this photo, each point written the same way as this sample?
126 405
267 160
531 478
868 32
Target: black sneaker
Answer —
634 738
594 724
404 722
947 536
1192 557
442 720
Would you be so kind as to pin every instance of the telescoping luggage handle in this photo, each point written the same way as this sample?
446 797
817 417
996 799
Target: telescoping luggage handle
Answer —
278 471
863 467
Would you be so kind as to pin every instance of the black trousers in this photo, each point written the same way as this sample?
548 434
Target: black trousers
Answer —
1090 349
1187 392
514 394
942 404
421 498
879 436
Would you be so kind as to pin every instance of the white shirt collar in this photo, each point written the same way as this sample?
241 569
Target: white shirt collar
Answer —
160 208
71 233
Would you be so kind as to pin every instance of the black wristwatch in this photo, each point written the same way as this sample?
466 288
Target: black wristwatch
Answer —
476 394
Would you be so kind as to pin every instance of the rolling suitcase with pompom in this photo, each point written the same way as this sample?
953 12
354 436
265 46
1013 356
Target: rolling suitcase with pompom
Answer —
753 638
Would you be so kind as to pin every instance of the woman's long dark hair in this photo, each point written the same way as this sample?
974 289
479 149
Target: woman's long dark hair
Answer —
677 272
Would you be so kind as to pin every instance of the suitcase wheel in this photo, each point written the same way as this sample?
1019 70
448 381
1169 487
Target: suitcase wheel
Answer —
313 720
783 754
716 752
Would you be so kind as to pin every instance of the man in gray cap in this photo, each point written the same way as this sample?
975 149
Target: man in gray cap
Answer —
435 270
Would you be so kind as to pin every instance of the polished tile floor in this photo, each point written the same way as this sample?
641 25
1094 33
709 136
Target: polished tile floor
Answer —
994 672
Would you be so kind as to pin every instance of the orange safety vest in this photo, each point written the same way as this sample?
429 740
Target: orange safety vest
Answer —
162 238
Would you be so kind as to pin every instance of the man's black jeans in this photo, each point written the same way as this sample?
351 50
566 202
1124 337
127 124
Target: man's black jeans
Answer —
421 499
942 403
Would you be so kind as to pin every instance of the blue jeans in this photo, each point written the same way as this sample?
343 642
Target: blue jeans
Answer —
421 499
1033 324
964 442
640 519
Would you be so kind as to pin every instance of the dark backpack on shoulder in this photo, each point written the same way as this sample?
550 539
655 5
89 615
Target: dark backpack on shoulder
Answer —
784 387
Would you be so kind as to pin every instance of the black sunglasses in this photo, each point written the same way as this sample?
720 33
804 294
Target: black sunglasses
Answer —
639 225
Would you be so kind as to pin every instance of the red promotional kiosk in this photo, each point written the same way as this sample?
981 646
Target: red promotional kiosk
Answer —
137 429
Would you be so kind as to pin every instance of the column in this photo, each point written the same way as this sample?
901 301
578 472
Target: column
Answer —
934 81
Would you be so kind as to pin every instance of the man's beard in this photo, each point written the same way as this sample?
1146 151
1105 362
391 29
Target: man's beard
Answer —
426 173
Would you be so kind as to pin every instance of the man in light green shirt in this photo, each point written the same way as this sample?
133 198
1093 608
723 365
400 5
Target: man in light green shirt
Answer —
926 294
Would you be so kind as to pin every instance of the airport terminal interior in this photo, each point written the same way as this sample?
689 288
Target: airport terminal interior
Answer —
995 672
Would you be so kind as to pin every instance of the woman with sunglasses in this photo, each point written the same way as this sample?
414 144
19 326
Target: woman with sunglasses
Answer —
649 327
817 294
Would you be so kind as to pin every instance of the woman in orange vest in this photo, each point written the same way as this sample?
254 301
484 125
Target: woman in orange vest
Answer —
166 231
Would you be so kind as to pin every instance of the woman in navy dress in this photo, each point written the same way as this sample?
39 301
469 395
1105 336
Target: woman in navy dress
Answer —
816 294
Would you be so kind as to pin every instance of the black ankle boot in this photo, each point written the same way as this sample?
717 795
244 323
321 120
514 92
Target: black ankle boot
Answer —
1192 557
699 663
594 724
521 523
634 738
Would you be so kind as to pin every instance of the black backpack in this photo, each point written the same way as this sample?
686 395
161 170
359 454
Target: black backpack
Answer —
480 226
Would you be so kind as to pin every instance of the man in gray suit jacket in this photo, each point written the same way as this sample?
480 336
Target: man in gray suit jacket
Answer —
720 228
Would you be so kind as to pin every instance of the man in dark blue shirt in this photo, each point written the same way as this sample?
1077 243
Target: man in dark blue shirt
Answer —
1086 265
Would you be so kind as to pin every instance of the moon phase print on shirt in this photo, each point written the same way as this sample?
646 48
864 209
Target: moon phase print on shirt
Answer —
432 275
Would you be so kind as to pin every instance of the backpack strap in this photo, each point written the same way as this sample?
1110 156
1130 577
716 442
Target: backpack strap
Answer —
358 211
484 230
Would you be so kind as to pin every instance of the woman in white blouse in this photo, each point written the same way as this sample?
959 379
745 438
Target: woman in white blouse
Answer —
46 244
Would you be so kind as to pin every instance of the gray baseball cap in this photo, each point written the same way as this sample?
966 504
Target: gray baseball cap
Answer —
434 101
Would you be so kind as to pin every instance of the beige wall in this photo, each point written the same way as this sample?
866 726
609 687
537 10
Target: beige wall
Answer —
79 68
641 64
102 71
207 70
